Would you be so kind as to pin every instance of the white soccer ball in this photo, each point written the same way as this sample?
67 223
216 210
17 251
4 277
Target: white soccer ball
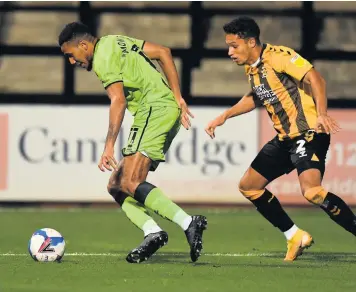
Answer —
46 245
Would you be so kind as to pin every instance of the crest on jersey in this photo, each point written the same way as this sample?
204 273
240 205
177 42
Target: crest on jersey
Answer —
298 61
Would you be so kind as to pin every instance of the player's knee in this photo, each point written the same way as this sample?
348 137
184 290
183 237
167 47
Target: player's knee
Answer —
128 186
117 194
114 187
120 190
244 184
315 195
131 186
248 191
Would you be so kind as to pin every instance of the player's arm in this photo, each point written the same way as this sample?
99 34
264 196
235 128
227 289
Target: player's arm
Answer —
299 68
245 105
164 58
117 98
318 86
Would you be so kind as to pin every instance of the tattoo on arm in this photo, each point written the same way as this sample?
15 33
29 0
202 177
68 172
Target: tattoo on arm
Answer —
110 135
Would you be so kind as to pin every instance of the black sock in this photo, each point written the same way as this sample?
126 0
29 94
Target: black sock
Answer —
339 212
119 197
270 208
142 191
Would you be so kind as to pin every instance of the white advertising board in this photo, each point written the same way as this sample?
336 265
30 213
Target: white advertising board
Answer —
50 153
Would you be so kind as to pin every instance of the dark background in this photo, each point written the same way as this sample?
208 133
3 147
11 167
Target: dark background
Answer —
33 70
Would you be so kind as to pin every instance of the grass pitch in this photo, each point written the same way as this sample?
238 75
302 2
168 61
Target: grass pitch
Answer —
242 252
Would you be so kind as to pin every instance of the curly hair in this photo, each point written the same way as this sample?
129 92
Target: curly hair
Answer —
244 27
74 30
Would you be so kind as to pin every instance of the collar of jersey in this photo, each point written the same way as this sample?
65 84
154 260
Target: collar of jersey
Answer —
94 51
95 47
252 68
254 65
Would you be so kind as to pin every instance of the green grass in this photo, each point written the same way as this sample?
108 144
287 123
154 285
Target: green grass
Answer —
330 265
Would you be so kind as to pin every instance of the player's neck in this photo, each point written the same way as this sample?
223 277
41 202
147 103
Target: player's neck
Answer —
255 56
94 44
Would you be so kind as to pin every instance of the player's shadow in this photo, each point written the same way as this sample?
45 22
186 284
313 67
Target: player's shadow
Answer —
171 258
160 257
308 258
184 259
340 257
311 259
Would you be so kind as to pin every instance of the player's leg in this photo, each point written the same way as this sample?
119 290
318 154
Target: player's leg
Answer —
134 210
333 205
155 131
154 237
311 171
133 181
252 186
271 162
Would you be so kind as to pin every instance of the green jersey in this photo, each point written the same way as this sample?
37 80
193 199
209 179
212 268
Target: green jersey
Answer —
120 58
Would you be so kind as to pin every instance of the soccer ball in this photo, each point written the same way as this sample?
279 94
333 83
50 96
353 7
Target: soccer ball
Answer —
46 245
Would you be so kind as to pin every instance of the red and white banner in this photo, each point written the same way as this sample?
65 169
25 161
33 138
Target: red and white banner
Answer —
50 153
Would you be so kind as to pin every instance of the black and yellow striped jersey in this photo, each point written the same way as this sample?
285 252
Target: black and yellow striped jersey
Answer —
276 82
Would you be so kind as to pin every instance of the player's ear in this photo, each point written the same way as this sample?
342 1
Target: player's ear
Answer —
83 45
251 42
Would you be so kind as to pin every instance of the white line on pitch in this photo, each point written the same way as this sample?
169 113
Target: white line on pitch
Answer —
77 254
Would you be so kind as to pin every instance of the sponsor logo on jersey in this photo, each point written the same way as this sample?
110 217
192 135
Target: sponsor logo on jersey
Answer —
267 96
298 61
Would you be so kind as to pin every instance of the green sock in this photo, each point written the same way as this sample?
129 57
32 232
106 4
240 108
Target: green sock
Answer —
153 198
139 216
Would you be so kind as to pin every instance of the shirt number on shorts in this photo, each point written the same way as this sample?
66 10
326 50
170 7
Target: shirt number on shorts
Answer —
301 149
132 137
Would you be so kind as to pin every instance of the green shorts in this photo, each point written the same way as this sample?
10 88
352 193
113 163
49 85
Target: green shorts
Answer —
152 133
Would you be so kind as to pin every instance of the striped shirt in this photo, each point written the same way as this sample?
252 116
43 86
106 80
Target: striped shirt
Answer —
276 82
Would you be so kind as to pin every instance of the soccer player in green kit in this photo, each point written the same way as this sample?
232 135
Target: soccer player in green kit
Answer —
131 80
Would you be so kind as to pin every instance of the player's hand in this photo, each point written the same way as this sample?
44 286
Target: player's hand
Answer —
185 120
326 124
108 160
210 128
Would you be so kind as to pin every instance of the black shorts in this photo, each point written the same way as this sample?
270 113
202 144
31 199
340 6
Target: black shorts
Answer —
303 152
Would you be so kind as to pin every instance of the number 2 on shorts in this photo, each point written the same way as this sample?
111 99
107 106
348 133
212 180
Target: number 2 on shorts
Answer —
301 149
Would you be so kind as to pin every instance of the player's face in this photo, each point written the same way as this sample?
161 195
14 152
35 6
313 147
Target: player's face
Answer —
239 49
78 54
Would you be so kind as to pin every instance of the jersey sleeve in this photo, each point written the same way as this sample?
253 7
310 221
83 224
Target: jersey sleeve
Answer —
110 65
291 63
137 42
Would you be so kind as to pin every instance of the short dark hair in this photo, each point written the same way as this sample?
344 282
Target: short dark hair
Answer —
72 31
245 27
